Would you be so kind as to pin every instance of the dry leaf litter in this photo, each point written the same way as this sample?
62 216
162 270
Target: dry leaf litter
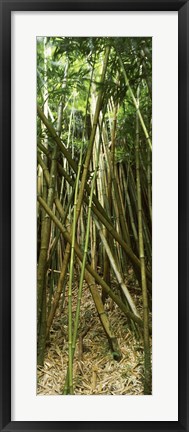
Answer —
95 370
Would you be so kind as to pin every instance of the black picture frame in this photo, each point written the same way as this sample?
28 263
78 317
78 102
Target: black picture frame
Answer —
6 7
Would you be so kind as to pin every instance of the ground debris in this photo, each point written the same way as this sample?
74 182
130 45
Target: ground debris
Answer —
95 370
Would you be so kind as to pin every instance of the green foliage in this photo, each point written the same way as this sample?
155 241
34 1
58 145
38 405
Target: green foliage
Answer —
79 55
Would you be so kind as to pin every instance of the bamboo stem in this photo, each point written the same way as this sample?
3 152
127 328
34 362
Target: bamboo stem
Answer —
147 359
96 276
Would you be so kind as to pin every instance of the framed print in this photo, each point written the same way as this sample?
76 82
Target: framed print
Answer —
94 209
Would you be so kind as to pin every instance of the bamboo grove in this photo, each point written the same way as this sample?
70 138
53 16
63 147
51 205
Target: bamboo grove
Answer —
94 171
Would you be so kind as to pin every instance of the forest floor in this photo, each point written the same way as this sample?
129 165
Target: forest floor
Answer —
95 370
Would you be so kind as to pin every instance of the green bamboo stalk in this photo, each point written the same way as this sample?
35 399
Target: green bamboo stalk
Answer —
132 218
97 209
66 153
107 223
95 275
147 356
77 208
104 321
116 271
118 200
135 102
85 166
76 324
74 224
84 174
60 107
42 265
149 184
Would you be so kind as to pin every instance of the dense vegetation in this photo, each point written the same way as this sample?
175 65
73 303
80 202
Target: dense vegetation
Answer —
94 213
